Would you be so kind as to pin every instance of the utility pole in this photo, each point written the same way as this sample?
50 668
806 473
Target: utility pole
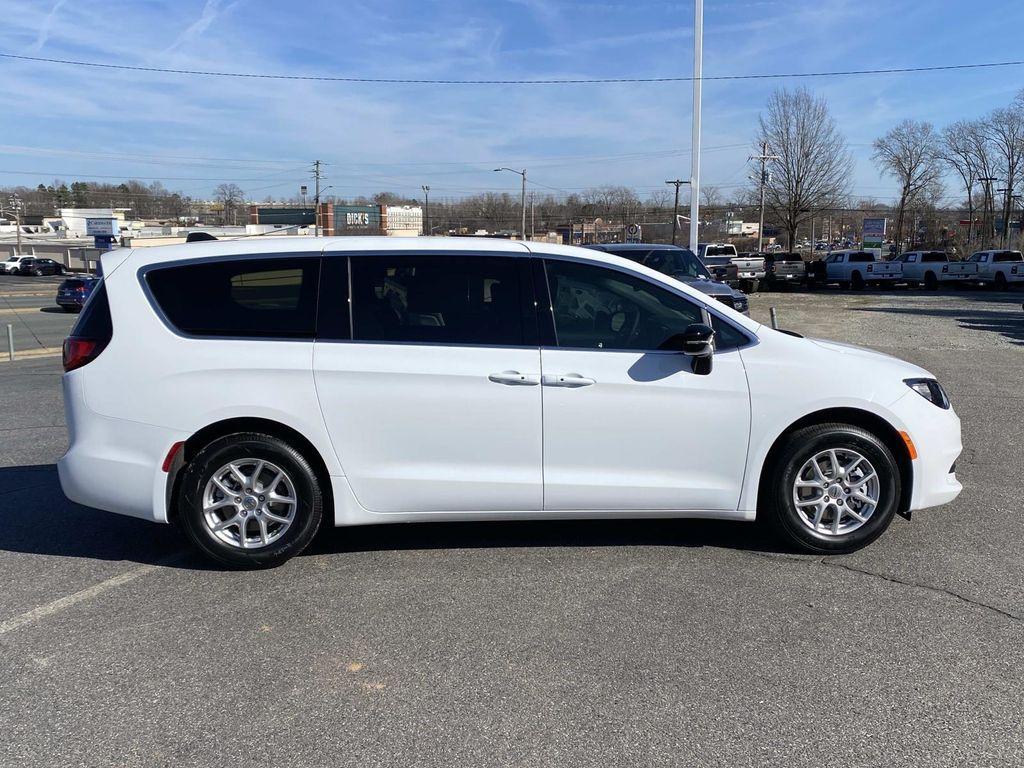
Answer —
533 217
316 197
675 209
764 157
426 207
698 58
16 205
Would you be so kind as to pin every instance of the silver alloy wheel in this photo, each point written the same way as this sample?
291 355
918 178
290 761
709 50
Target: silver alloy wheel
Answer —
249 503
836 492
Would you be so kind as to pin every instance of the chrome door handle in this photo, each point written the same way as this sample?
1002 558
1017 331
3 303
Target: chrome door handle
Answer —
571 380
515 378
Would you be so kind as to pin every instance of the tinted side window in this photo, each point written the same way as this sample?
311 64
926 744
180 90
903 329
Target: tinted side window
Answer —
248 298
1007 256
600 308
861 257
95 322
440 299
933 257
726 337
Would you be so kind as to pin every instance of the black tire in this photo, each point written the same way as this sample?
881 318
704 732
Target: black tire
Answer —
309 496
1000 281
857 281
797 450
931 282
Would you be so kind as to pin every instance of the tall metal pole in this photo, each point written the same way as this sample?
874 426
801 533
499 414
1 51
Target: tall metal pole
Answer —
698 57
523 224
426 207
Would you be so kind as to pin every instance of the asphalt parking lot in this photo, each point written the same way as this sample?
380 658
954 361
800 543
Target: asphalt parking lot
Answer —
583 643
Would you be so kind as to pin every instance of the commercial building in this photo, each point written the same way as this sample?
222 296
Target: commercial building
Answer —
403 220
282 216
338 219
75 220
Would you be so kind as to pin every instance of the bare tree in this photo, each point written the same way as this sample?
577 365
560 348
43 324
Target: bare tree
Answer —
231 197
954 150
908 152
814 165
1006 132
983 155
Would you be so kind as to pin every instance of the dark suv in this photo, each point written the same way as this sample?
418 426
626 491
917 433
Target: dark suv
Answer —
681 264
73 292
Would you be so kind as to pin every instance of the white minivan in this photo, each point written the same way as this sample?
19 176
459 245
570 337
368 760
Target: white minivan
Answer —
249 390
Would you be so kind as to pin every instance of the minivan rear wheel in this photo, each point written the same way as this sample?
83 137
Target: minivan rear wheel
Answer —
250 500
834 488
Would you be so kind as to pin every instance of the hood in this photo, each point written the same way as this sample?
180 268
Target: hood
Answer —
863 353
710 287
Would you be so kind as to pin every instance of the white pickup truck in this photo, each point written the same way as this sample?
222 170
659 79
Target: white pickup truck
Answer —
930 268
14 266
1000 268
856 269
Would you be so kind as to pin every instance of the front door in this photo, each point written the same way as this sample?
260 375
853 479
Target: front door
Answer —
432 393
627 426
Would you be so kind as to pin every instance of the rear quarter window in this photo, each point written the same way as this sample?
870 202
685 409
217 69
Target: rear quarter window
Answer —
243 298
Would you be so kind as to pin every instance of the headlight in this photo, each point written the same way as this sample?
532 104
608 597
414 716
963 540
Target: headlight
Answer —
930 390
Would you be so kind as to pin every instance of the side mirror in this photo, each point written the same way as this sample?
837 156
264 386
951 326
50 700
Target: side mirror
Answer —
697 341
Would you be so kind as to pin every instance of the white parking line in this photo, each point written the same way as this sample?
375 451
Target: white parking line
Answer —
67 601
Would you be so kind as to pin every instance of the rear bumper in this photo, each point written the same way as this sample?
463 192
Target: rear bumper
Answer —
113 464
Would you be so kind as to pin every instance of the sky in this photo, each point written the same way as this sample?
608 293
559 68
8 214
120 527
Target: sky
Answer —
193 132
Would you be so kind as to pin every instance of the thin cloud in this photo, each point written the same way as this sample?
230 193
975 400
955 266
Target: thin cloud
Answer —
47 25
212 10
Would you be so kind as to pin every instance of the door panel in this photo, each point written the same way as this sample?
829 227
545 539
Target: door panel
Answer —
435 405
627 425
424 429
648 434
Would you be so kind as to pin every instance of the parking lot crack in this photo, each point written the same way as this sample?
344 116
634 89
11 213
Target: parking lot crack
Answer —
893 580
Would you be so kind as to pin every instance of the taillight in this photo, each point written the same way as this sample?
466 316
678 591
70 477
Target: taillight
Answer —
870 267
77 352
945 268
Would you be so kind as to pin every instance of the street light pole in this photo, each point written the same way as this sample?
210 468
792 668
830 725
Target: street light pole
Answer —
698 57
522 198
426 207
16 205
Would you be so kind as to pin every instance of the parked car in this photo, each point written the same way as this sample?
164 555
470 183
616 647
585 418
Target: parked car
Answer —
679 264
44 266
751 268
1000 269
73 292
855 269
930 268
784 269
723 269
18 264
276 385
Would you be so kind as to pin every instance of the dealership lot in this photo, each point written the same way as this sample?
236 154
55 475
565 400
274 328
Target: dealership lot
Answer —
584 643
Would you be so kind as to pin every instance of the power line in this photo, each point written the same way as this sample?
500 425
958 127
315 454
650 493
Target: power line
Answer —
538 81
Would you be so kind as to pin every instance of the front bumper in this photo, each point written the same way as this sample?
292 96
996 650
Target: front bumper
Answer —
936 436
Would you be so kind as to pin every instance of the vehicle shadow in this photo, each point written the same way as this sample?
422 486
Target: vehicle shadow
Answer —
1008 324
36 518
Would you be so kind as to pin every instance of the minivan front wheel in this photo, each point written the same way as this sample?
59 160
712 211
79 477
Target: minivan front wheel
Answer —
836 488
250 500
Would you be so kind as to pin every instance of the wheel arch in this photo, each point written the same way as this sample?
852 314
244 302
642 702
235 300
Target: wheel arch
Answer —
218 429
857 417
